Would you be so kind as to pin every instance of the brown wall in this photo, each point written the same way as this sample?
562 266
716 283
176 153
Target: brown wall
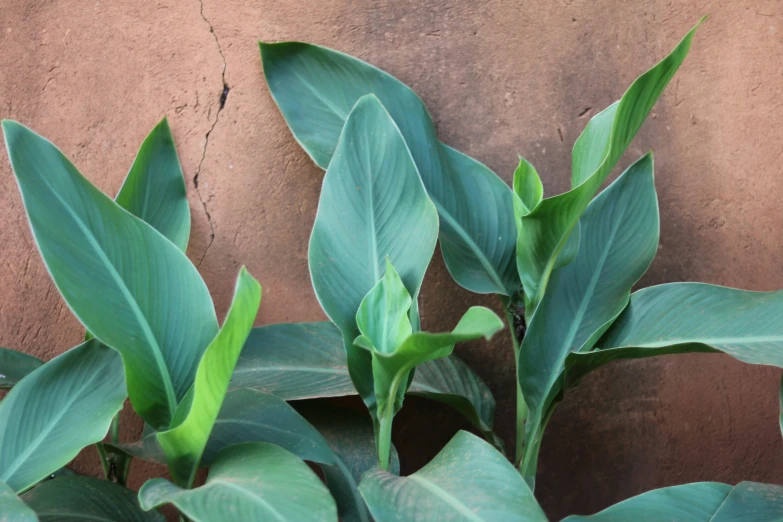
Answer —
501 78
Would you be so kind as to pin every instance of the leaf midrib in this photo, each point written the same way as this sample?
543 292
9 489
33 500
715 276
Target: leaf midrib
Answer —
245 493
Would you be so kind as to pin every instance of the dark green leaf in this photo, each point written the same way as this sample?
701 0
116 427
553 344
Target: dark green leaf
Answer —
12 509
372 207
316 88
14 366
619 238
154 189
57 410
467 481
544 232
117 274
67 499
184 443
250 481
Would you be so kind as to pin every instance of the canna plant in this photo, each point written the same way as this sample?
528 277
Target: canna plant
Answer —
563 268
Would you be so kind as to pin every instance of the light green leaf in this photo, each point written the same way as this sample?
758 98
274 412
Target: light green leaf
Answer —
698 502
315 89
619 239
185 442
691 317
527 187
307 360
467 481
65 499
383 313
154 190
117 274
372 207
57 410
251 481
543 233
12 508
14 366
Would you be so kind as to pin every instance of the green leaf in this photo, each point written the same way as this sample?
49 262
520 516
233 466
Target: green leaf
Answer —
527 187
14 366
383 313
251 416
117 274
543 233
185 442
372 207
85 498
698 502
619 239
251 481
467 481
12 508
57 410
315 89
691 317
154 190
307 360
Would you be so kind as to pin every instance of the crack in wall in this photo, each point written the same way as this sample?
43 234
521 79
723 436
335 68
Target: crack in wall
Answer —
221 104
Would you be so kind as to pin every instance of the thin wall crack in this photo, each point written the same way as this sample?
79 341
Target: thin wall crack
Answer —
221 103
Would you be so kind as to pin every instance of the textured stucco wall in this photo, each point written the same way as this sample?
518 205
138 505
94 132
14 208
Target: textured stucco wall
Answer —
501 78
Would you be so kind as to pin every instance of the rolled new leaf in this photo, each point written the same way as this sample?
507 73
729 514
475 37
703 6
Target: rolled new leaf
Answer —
251 481
117 274
544 232
86 498
697 502
315 89
13 508
467 481
184 443
372 207
619 239
14 365
57 410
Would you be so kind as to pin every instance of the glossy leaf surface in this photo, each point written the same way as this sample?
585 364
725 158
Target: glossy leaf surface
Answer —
543 233
130 287
251 481
315 89
467 481
67 499
372 207
184 444
57 410
14 365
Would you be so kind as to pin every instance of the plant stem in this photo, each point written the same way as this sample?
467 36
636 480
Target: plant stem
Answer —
386 419
522 411
104 459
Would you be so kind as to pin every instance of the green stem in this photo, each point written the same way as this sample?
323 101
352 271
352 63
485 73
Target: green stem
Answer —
386 419
522 410
104 459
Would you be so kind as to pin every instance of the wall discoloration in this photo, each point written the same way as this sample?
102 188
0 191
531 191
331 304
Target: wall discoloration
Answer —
500 79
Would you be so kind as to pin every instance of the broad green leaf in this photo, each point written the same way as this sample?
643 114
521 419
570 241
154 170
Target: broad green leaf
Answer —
372 207
185 442
691 317
251 416
315 89
12 509
543 234
619 239
527 187
390 370
467 481
66 499
57 410
154 190
128 285
383 313
14 366
250 481
307 360
698 502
